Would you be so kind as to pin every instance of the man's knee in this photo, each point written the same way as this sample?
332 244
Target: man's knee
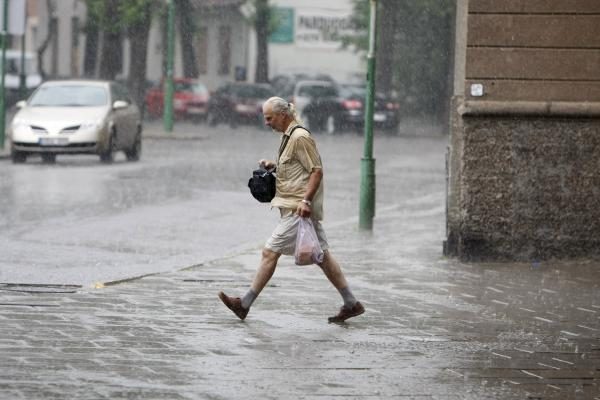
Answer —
268 254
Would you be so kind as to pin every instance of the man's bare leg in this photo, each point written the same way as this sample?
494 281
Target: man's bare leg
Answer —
265 271
240 306
334 273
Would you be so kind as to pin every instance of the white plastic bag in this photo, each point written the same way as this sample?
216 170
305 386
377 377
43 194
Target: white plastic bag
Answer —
308 250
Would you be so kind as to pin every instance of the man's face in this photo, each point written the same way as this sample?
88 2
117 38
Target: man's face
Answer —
273 120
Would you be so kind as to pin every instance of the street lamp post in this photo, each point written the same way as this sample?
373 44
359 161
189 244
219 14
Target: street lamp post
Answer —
168 94
2 70
22 74
367 183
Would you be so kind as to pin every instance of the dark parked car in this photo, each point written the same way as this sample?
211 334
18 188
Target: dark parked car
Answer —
386 110
331 108
236 103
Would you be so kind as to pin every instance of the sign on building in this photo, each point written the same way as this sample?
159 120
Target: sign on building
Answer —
284 32
321 28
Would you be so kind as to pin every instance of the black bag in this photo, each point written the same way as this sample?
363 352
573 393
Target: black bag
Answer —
262 185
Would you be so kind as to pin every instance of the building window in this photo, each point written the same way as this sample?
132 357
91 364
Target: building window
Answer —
203 51
225 50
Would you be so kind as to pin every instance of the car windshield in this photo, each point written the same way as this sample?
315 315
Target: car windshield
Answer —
351 90
69 96
192 87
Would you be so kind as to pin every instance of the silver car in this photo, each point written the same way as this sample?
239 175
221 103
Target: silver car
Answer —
76 117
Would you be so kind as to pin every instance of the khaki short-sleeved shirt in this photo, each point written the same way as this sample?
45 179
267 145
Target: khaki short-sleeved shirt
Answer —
299 158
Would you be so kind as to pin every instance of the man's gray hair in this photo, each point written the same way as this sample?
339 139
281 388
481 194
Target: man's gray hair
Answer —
279 105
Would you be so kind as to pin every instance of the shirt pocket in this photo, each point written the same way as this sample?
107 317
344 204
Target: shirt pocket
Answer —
283 167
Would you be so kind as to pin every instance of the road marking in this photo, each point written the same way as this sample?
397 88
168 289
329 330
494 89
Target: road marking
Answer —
549 366
532 374
544 319
502 355
563 361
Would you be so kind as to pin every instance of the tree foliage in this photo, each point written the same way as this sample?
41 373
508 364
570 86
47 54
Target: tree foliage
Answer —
115 19
414 54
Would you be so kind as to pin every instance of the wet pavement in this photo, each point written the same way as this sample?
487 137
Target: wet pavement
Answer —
435 328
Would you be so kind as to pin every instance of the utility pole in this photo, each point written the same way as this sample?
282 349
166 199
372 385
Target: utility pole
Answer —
367 182
168 86
23 75
3 69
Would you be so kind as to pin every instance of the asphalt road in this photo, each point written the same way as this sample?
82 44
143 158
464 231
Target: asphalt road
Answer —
184 203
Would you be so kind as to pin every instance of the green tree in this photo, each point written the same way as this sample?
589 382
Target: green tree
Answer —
187 33
114 19
414 55
262 28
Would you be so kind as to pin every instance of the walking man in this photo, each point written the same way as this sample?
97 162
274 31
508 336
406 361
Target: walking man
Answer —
299 194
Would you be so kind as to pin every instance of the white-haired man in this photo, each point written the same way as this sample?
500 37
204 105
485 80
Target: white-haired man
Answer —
299 194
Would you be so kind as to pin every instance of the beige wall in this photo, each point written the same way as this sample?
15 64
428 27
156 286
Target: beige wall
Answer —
534 50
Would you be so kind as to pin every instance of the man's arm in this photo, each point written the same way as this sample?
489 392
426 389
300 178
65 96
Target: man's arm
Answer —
314 180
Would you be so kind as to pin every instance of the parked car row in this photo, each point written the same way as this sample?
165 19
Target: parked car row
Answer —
99 117
323 104
329 107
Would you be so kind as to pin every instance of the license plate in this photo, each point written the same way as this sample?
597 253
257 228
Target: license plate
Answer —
195 110
379 117
50 141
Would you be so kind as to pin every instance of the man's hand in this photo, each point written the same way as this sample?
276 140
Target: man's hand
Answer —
303 210
266 164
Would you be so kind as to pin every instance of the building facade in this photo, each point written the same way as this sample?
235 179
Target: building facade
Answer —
307 39
524 160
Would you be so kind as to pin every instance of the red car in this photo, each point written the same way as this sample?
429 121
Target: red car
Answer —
190 99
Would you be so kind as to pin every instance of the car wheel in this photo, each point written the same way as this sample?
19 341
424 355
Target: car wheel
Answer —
48 158
108 155
133 154
18 157
331 125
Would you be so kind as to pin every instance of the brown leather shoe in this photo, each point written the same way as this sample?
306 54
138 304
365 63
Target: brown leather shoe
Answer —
235 305
346 313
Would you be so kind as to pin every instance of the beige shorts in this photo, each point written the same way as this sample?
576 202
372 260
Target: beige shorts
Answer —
283 238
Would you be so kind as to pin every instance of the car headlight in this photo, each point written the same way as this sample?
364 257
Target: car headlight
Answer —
20 125
91 125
